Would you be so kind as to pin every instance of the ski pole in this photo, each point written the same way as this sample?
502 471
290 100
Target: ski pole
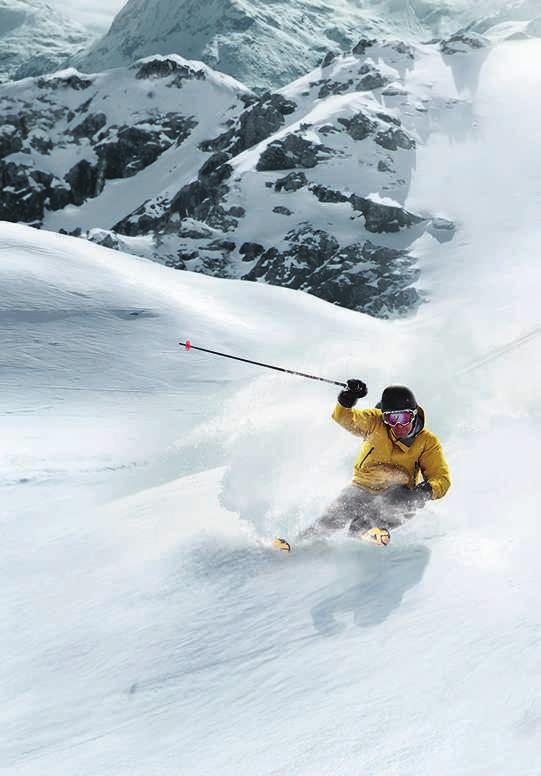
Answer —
188 345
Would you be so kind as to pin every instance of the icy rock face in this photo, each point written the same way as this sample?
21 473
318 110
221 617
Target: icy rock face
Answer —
172 161
265 45
463 42
289 163
64 136
360 276
35 38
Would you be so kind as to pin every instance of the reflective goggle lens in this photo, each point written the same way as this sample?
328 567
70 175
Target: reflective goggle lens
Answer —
399 418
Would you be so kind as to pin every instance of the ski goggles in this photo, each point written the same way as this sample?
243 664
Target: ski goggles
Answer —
399 417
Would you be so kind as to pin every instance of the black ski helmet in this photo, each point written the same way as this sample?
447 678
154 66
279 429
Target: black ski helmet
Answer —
397 397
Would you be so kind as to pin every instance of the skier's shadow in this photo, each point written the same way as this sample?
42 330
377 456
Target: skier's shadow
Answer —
384 578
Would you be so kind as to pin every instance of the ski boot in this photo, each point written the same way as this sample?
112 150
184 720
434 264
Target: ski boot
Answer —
281 544
375 535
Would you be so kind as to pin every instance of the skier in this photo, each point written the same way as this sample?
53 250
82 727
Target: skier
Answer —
400 466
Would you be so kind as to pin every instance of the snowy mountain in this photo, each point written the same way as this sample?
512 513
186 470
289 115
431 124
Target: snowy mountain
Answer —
146 626
64 136
517 20
264 44
318 203
36 38
306 187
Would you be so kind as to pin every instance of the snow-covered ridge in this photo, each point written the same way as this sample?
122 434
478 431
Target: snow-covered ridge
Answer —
306 187
65 135
36 38
267 45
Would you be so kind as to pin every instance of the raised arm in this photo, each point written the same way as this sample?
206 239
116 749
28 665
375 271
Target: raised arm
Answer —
358 422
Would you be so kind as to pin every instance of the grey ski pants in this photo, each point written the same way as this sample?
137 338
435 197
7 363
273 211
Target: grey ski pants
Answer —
362 510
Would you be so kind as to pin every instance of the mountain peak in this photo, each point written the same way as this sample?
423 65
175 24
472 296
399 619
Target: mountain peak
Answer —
35 26
262 44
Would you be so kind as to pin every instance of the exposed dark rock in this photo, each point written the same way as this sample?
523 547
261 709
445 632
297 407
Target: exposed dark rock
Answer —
192 233
10 140
130 151
59 197
250 251
369 278
73 81
334 87
329 58
328 195
163 68
89 125
177 126
221 245
105 239
290 152
462 42
389 119
393 139
85 181
42 145
372 81
189 200
84 106
328 129
262 118
282 104
402 48
281 210
177 263
139 222
363 45
362 276
20 120
216 169
385 165
236 211
359 126
309 248
25 192
371 78
291 182
383 218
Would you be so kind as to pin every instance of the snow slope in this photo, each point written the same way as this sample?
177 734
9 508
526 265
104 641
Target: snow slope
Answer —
145 628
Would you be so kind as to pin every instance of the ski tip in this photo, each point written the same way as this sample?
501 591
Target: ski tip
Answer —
281 544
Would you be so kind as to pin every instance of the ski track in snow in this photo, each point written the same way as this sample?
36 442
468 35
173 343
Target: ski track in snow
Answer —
147 627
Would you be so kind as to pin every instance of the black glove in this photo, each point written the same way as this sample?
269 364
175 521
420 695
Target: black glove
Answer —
422 493
356 389
405 497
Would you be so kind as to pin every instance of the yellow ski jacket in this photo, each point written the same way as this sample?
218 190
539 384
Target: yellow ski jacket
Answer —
384 460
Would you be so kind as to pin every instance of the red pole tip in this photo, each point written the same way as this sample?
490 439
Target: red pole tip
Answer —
187 344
